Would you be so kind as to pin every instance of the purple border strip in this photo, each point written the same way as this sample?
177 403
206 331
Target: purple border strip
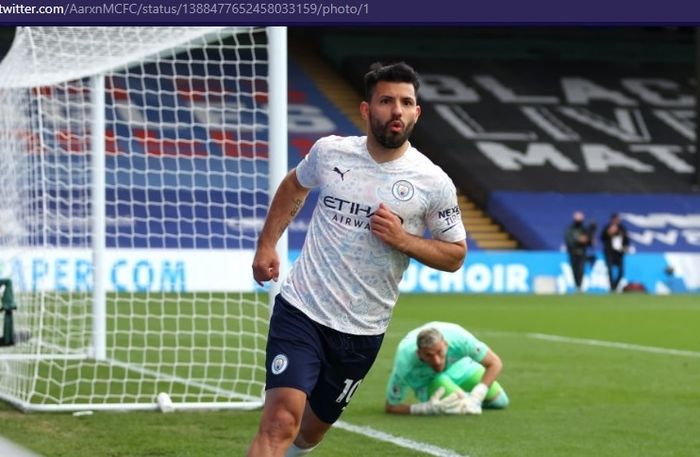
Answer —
347 12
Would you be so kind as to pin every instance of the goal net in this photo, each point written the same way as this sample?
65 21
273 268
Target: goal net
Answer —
134 175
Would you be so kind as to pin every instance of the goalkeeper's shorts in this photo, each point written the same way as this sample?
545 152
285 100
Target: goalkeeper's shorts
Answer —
325 364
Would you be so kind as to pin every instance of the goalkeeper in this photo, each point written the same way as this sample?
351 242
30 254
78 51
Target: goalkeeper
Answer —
448 370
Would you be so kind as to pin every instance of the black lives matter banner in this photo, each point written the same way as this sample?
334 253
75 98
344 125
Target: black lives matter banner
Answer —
559 126
573 127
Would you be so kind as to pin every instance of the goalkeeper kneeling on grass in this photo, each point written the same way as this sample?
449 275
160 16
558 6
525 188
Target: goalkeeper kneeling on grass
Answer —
449 371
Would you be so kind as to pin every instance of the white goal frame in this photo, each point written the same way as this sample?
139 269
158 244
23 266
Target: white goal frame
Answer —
21 378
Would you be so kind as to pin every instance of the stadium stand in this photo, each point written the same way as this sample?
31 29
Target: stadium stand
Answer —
535 124
484 232
529 127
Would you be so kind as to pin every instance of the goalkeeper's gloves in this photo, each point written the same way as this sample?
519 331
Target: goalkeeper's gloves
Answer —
432 406
479 392
468 403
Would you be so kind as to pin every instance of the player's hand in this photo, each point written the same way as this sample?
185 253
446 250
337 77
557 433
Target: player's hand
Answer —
430 407
465 405
479 392
451 401
266 265
468 403
387 226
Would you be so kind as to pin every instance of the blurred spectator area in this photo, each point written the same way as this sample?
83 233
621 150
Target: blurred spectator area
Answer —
533 123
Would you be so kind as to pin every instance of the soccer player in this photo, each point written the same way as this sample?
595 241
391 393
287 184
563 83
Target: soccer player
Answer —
378 195
449 371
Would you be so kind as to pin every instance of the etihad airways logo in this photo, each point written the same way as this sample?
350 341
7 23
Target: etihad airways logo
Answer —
351 213
346 206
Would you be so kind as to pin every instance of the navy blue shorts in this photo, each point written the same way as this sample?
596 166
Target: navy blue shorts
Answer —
325 364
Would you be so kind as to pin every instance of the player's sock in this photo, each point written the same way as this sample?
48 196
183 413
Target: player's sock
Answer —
295 451
500 402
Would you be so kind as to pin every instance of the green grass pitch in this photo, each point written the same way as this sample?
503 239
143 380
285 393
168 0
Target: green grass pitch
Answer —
602 376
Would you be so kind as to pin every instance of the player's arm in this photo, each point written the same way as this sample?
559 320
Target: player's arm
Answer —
493 365
436 404
401 408
397 390
475 350
441 255
286 203
471 403
480 352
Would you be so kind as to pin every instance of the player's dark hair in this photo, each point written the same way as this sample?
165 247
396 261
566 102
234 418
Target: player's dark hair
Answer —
399 72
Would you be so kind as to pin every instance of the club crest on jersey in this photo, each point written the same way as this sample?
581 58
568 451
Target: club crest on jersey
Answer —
279 364
402 190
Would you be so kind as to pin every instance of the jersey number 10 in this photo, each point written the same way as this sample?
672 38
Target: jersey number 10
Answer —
348 391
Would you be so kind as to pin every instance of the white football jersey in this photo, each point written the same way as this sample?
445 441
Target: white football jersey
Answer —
345 277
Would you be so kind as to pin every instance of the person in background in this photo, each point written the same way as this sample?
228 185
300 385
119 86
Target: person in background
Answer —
578 239
615 244
449 371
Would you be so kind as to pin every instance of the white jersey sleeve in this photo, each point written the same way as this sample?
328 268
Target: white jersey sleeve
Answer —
444 216
308 170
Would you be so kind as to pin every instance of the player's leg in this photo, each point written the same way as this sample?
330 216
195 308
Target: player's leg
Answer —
293 365
310 434
348 359
465 374
458 376
441 380
279 422
499 401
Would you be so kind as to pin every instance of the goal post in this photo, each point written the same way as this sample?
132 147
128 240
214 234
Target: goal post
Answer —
137 165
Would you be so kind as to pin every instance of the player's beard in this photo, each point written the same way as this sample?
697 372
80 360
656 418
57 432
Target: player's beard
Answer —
384 136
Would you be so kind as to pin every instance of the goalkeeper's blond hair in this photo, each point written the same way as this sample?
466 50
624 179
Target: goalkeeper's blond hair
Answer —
428 337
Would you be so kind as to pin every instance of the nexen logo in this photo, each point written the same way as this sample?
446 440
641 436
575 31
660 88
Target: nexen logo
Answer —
450 217
449 212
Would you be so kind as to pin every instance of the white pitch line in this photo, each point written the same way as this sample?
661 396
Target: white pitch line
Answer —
11 449
613 344
397 440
